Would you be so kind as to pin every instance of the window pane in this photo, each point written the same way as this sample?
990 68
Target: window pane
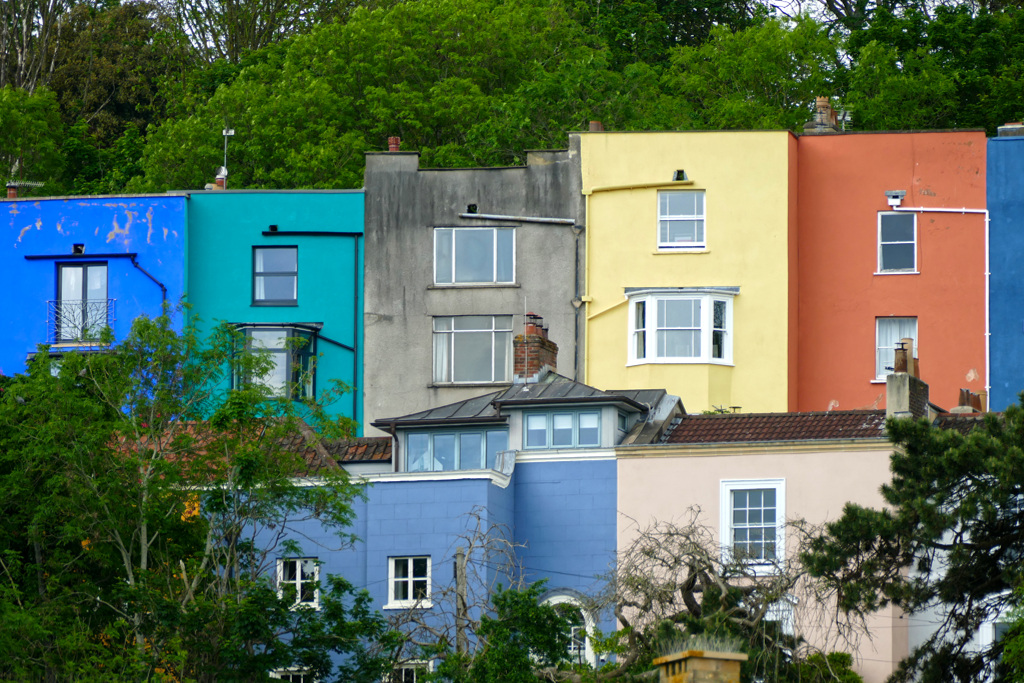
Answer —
97 282
679 313
718 344
678 343
471 452
536 431
474 322
473 362
419 567
268 339
71 283
898 227
897 257
444 452
503 322
443 256
506 252
682 231
419 590
401 590
589 433
442 355
683 203
502 343
442 324
719 321
289 570
474 256
561 430
496 442
401 568
416 459
275 288
276 378
276 260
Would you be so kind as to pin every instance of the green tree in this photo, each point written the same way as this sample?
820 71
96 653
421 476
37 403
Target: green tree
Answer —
145 504
951 537
30 135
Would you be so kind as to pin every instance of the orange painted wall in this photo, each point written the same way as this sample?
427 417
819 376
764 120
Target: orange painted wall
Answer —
842 184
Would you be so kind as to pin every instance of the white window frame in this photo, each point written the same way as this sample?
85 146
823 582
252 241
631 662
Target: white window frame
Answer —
728 486
420 666
280 674
450 334
549 425
649 335
588 621
483 432
880 372
451 282
281 582
702 217
882 271
394 603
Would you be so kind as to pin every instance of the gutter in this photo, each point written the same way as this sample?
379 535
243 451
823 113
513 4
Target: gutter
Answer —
539 402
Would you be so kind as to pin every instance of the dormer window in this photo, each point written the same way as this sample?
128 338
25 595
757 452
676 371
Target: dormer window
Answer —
454 450
563 429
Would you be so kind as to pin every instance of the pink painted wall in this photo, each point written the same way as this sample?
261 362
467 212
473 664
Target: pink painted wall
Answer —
842 184
818 484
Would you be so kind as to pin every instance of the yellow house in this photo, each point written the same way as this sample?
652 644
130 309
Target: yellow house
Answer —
691 265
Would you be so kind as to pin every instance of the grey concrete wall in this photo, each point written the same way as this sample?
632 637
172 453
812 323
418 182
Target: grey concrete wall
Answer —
403 206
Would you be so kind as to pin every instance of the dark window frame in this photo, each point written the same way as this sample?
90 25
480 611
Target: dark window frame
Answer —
301 360
84 267
256 274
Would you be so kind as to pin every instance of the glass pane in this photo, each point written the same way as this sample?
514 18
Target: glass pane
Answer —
640 316
473 322
898 227
718 344
276 378
663 203
276 260
443 256
444 452
71 283
308 592
442 355
502 342
755 498
418 446
898 256
419 567
496 442
471 452
401 590
589 433
682 231
419 590
755 517
474 256
268 339
97 282
739 516
536 431
275 288
641 345
561 430
506 255
289 570
682 203
472 362
678 343
503 322
308 569
679 313
769 498
739 499
401 568
442 324
769 515
719 315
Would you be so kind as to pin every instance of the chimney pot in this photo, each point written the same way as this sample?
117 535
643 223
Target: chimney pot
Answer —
12 190
596 127
394 144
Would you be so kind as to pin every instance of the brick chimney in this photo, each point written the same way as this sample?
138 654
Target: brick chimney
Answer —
12 190
394 144
905 394
534 355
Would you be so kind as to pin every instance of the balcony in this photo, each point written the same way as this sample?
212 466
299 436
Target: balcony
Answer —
74 322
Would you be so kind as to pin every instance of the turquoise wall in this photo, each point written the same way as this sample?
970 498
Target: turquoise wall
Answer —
223 228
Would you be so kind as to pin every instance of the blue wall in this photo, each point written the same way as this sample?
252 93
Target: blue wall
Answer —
1006 248
224 226
152 228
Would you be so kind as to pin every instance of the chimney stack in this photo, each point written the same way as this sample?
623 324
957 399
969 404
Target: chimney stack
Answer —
222 179
824 120
534 355
596 127
905 394
12 190
394 144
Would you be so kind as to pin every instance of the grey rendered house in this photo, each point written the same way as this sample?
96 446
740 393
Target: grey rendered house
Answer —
455 260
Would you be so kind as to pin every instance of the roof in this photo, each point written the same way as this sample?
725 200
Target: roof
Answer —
747 427
364 449
553 389
964 423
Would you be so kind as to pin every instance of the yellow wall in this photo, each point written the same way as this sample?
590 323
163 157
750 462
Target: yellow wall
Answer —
748 200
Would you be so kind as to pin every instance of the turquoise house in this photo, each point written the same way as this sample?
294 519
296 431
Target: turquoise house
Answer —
284 266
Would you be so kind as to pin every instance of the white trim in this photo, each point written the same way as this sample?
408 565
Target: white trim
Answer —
707 296
727 486
494 256
899 272
497 478
662 252
670 247
588 621
879 246
916 337
562 455
424 603
298 582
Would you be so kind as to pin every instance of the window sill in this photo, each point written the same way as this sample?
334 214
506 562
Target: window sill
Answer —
409 604
682 250
479 285
271 304
878 381
898 272
458 385
679 361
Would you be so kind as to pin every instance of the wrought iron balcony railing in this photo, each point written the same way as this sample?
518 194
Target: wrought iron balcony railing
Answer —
78 321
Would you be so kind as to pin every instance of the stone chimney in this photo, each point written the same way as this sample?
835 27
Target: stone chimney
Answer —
533 354
824 121
905 394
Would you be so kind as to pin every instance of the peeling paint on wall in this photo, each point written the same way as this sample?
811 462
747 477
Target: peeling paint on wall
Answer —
972 375
833 404
149 222
24 230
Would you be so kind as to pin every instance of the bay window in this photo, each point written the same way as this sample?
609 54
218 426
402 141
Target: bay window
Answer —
680 326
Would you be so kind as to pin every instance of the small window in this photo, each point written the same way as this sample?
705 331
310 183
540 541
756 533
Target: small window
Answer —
275 276
563 430
298 580
897 242
294 675
536 431
473 349
753 520
411 672
292 352
680 328
408 582
681 219
82 310
474 255
449 451
888 333
623 422
576 629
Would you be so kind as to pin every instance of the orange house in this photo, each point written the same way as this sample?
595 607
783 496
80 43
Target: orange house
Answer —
892 234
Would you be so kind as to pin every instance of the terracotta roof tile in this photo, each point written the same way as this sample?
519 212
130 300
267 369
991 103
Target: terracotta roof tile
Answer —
964 423
363 449
746 427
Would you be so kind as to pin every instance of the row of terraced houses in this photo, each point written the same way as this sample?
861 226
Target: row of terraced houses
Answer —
614 333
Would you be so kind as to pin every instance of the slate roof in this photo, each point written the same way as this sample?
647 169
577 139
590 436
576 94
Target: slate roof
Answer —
552 389
964 423
363 449
749 427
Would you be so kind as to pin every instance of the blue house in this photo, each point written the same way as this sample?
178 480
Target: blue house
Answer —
76 265
1005 199
285 267
533 465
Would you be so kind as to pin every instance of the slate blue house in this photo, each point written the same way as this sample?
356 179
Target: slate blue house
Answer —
75 265
1005 196
535 463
